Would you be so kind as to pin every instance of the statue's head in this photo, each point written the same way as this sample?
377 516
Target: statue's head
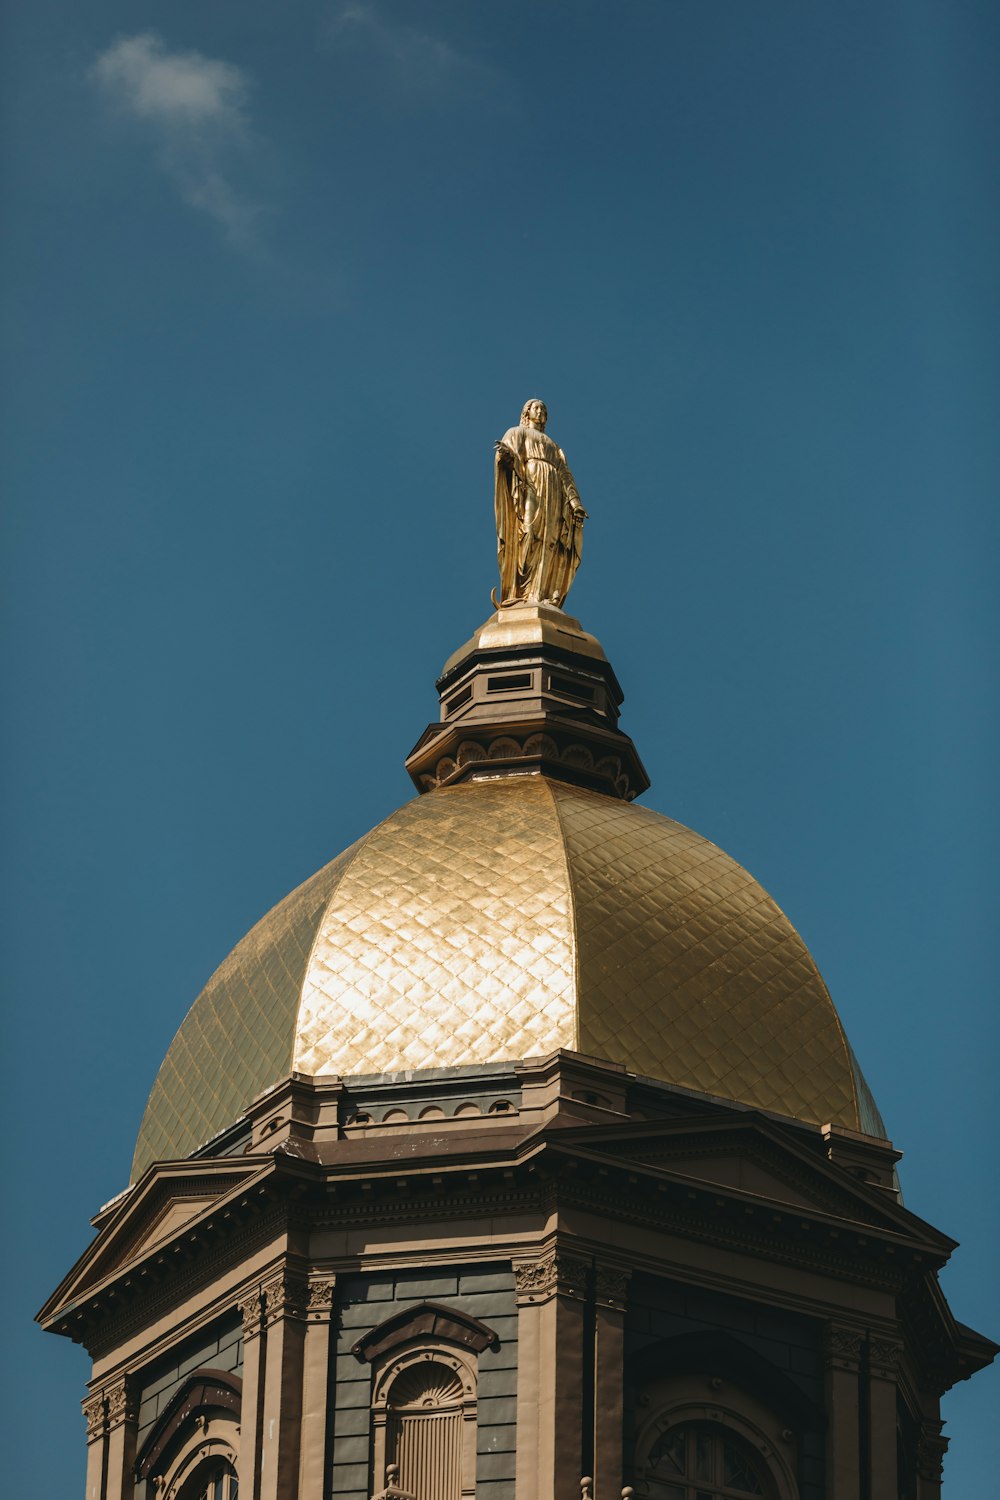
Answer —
535 412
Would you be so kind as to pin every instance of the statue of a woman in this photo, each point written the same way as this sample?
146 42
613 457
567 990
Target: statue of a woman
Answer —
539 515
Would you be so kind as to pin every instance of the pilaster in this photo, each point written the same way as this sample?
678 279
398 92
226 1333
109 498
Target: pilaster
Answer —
610 1293
96 1417
123 1426
285 1296
550 1293
315 1386
931 1448
843 1438
251 1306
883 1362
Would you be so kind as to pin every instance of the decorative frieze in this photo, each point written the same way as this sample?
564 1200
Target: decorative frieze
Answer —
535 748
557 1272
95 1416
611 1286
931 1449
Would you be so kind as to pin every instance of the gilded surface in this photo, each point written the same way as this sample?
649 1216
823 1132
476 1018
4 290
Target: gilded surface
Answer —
502 919
690 972
529 625
237 1037
450 939
538 512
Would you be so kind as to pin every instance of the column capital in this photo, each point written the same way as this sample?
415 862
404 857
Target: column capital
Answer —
319 1302
122 1399
843 1346
95 1415
611 1286
554 1273
286 1295
931 1448
251 1306
884 1355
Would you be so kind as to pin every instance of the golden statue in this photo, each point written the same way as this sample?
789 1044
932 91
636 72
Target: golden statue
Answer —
539 515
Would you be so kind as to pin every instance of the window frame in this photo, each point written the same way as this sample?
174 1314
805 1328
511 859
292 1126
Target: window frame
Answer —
389 1370
679 1400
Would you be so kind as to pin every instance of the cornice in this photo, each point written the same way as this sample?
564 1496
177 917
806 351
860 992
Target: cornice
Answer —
102 1248
540 1175
756 1137
118 1310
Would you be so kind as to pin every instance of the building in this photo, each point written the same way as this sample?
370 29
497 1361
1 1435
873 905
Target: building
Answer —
518 1153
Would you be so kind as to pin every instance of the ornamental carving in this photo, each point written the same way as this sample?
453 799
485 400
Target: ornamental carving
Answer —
931 1448
884 1355
94 1416
320 1303
543 745
535 746
556 1272
843 1346
285 1296
251 1308
122 1405
611 1285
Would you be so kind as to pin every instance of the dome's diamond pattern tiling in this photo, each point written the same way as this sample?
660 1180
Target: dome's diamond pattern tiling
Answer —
237 1037
685 959
448 941
502 919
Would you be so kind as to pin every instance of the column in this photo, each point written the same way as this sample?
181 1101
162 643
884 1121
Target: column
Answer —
551 1293
96 1418
931 1448
251 1306
315 1387
883 1360
843 1446
123 1426
281 1418
610 1292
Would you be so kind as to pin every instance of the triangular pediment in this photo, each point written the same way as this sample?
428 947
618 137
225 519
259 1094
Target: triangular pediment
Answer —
751 1156
745 1174
170 1199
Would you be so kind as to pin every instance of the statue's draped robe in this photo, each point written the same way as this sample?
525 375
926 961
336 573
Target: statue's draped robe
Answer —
539 520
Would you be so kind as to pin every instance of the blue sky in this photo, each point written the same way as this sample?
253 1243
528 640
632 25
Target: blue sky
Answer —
276 277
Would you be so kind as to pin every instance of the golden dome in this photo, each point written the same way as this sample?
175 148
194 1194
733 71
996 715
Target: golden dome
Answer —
502 919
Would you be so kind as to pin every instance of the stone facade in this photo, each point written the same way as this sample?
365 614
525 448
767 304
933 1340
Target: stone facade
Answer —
571 1291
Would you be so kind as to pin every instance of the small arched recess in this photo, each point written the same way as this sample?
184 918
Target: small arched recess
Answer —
423 1415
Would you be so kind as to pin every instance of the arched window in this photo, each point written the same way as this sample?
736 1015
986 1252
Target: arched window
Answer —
730 1447
193 1450
703 1461
213 1480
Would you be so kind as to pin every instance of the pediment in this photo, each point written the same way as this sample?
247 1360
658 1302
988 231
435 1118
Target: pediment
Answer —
753 1157
176 1211
745 1174
171 1198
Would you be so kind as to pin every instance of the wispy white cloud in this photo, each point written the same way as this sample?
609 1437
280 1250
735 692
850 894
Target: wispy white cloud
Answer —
194 109
420 66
